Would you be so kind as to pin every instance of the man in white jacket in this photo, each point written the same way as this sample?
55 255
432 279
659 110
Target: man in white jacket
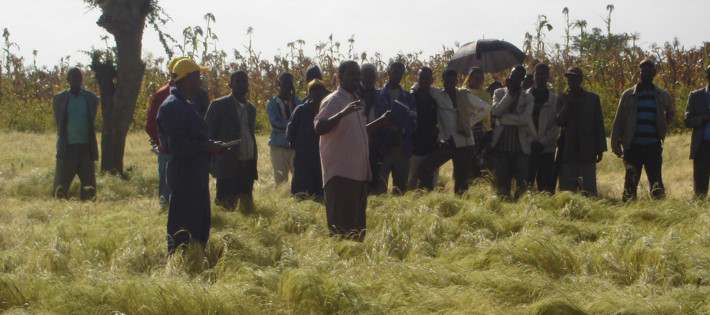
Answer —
458 111
545 134
512 107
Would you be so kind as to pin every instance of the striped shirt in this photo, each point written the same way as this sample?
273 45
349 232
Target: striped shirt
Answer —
646 130
344 149
509 140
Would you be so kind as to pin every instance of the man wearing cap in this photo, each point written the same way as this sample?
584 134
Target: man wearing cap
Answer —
639 129
183 133
280 108
307 179
343 131
697 116
583 138
395 139
151 128
545 134
512 108
312 73
77 150
231 118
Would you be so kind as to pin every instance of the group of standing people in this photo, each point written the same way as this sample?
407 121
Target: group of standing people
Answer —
345 144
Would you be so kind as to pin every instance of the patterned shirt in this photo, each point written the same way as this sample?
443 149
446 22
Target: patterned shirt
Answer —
344 149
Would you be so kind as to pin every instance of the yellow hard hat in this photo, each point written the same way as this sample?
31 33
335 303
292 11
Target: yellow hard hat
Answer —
184 67
173 62
314 83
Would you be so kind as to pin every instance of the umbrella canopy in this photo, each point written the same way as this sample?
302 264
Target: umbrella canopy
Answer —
491 55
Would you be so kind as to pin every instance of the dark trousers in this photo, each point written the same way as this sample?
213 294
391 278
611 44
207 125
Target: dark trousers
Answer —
637 158
509 166
395 162
307 179
345 206
189 210
237 188
542 171
461 158
477 159
375 163
701 170
76 161
163 188
580 177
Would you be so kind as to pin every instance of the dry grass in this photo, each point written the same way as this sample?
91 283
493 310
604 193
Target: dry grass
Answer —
424 254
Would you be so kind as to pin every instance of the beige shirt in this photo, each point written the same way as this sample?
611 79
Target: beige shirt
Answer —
246 147
344 149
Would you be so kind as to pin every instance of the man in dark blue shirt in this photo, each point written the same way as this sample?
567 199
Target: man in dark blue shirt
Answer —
183 133
396 138
425 139
307 179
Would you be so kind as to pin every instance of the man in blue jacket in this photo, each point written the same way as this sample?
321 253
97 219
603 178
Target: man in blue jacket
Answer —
280 108
184 134
395 139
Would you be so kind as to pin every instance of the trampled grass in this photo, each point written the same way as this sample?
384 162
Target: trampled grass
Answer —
424 253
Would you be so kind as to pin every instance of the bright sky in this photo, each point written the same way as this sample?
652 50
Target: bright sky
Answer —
57 28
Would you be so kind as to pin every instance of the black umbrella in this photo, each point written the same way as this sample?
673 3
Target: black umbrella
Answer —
491 55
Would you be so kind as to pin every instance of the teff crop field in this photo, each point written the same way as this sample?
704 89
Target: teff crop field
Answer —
424 253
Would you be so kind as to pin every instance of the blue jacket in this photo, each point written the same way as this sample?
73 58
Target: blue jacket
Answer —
278 121
403 123
181 128
307 176
301 133
183 133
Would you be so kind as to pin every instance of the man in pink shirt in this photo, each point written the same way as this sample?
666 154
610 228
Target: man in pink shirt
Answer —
341 125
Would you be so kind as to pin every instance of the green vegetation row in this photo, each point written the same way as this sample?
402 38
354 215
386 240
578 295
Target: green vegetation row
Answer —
610 61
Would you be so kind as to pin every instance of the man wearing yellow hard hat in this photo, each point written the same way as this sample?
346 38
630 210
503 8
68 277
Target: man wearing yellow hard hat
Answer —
183 134
307 179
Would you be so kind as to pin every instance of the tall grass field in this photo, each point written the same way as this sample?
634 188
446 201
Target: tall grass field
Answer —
425 253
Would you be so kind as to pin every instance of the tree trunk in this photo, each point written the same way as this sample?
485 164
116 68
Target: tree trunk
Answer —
119 114
125 20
